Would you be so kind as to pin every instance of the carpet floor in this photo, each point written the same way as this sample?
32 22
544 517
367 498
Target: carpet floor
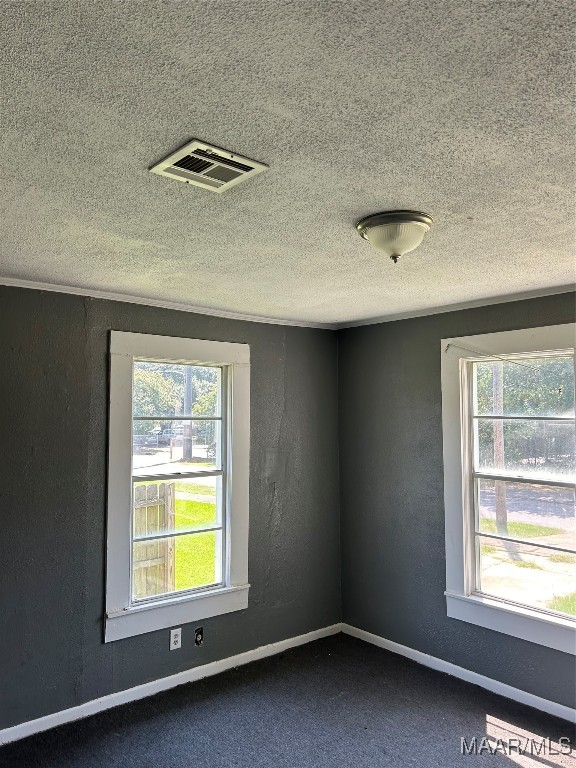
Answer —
335 702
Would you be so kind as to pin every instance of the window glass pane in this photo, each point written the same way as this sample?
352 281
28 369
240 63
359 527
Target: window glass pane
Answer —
164 447
173 389
542 514
175 564
537 387
161 507
527 574
544 449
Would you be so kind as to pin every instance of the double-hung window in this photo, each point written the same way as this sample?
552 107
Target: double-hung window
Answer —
177 481
510 474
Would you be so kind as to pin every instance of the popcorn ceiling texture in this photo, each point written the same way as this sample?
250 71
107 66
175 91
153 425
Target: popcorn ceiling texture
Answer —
457 108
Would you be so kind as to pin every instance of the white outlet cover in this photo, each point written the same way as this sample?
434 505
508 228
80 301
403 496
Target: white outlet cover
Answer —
175 638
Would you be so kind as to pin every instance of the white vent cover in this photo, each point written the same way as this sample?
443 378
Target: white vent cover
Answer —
207 166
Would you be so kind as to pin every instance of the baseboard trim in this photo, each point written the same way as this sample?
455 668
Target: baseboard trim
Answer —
21 731
508 691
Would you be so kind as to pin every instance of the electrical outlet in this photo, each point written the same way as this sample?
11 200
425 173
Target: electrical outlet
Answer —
175 638
199 636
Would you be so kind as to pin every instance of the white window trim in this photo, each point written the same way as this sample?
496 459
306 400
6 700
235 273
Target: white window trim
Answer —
499 615
122 618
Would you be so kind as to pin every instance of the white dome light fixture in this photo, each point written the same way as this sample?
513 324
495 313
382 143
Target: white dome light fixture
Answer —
395 232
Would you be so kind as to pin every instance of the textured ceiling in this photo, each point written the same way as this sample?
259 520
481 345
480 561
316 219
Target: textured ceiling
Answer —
459 108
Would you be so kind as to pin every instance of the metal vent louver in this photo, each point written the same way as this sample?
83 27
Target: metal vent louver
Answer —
207 166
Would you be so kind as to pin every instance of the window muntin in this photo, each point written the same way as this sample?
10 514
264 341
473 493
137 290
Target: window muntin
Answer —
521 483
178 478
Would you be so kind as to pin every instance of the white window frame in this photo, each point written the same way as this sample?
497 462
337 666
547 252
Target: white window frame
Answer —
123 617
461 602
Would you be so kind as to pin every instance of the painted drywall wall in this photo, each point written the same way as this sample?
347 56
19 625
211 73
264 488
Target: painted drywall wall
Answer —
53 401
53 424
392 496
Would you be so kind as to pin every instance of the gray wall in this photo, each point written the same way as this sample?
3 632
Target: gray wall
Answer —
53 402
392 505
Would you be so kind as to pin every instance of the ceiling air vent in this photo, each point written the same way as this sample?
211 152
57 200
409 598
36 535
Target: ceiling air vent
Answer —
207 166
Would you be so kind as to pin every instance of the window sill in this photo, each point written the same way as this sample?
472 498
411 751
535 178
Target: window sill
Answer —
148 617
534 626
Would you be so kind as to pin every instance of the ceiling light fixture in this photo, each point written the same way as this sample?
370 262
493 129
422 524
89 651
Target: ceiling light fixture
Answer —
395 232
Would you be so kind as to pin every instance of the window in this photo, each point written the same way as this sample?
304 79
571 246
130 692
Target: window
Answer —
510 473
177 482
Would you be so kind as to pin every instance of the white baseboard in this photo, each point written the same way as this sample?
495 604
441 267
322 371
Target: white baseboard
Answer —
30 727
155 686
551 707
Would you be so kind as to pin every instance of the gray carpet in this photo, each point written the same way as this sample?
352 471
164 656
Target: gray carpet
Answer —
335 702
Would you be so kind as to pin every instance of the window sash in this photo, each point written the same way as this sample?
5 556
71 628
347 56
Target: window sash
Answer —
224 397
176 476
528 542
475 587
512 475
493 416
535 479
471 475
478 592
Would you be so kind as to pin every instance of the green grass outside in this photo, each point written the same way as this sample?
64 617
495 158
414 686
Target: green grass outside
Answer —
194 514
527 564
487 549
184 486
564 604
563 557
195 556
521 530
195 560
